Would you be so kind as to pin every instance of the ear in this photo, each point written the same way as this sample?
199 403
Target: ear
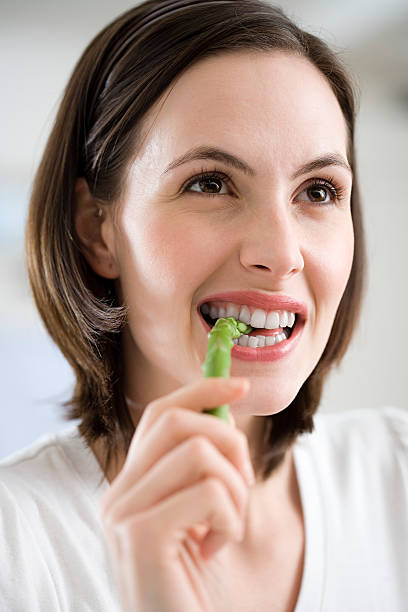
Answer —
94 228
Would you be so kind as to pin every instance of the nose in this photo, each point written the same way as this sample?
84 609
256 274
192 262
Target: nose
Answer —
271 244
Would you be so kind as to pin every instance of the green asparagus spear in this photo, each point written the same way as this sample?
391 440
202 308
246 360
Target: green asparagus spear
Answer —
218 359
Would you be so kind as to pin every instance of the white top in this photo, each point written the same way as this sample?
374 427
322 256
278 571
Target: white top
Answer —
353 477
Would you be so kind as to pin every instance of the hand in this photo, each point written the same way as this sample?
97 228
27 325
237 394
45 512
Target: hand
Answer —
181 496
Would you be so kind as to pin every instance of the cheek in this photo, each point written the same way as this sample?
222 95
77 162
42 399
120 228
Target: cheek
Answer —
170 255
331 265
163 264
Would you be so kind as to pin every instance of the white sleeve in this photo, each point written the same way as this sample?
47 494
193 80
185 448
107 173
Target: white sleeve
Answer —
397 421
25 580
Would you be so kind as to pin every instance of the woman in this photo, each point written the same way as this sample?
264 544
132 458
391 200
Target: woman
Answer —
202 165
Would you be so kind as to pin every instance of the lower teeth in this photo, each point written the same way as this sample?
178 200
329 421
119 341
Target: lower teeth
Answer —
260 341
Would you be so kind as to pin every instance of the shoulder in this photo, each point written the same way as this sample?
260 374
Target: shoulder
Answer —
368 446
49 494
355 483
26 479
57 469
357 452
361 429
396 421
38 464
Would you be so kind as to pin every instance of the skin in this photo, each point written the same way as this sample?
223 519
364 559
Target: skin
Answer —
168 250
276 112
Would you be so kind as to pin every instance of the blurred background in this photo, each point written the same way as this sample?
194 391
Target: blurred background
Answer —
39 44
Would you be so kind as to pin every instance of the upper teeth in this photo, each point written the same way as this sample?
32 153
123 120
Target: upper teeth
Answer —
255 317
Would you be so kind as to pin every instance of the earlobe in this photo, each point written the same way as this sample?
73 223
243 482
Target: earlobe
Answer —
94 228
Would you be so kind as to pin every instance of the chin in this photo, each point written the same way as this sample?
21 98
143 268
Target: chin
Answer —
262 400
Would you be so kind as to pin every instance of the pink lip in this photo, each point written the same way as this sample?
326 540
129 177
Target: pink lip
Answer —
253 298
266 302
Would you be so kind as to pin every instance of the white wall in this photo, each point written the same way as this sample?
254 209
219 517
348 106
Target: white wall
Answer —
39 45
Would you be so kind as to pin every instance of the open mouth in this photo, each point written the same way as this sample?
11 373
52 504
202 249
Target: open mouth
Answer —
269 328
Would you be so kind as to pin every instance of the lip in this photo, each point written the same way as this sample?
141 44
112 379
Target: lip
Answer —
266 302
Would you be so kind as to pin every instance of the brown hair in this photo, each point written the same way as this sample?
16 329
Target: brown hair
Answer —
120 75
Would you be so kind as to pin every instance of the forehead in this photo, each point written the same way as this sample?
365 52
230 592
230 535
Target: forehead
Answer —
273 106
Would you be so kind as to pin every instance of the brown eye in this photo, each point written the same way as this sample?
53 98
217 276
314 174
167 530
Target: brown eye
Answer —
317 193
213 185
208 184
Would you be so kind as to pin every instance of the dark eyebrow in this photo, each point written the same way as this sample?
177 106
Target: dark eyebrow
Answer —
204 152
331 159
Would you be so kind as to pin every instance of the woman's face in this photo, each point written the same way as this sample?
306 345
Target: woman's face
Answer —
273 223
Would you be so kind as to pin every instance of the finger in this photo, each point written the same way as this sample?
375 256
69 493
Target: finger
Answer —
194 459
199 531
205 393
173 428
178 424
162 528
